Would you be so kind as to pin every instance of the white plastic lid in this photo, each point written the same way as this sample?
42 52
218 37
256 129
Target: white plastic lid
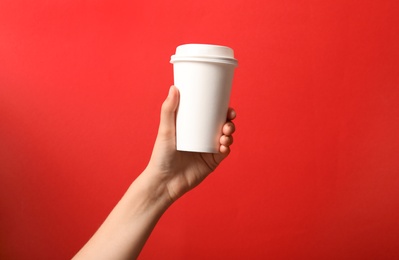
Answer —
204 53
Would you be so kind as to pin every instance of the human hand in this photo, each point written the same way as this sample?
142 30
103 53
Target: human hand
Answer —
169 174
177 171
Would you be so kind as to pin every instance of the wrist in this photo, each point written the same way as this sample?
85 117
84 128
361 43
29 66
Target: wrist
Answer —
149 193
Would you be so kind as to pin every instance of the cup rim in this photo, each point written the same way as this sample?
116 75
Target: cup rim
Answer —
224 60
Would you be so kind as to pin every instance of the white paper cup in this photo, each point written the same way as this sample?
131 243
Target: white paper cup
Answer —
203 74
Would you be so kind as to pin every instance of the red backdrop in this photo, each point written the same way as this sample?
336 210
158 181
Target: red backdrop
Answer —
314 168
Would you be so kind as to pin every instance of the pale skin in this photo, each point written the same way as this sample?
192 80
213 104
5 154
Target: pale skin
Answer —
168 176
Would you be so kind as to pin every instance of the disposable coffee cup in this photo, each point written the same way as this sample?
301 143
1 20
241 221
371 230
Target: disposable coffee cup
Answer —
203 73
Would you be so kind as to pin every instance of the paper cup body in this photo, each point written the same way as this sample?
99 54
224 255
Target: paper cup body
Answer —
205 85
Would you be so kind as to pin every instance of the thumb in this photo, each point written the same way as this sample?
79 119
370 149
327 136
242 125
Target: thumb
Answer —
168 113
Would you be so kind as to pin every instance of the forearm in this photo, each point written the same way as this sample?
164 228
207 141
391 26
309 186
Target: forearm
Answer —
127 228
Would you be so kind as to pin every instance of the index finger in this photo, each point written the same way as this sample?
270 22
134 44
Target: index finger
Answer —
231 114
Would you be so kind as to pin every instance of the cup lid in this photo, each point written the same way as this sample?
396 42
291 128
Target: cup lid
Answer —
204 52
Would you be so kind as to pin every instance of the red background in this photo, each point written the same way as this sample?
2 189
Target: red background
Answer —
314 168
